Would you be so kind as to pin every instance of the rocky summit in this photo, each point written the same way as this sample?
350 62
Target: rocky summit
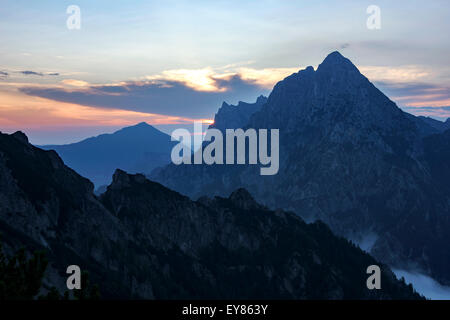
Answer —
142 240
351 158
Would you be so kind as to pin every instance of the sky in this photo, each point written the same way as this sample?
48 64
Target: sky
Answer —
170 63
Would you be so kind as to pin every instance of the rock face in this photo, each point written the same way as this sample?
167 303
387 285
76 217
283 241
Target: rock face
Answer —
233 117
350 157
136 149
436 124
142 240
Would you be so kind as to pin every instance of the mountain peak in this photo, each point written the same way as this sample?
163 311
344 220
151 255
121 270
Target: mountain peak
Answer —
122 179
335 55
140 127
336 61
19 135
225 105
142 124
263 99
243 199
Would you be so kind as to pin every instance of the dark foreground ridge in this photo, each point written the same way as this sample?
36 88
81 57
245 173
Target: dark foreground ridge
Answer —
142 240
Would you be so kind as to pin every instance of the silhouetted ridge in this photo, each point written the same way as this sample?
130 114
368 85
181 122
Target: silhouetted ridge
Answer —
122 179
19 135
243 199
336 62
232 117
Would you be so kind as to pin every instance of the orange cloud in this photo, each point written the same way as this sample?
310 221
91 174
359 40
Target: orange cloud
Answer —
18 110
75 83
21 110
266 77
437 112
206 79
197 79
409 73
422 101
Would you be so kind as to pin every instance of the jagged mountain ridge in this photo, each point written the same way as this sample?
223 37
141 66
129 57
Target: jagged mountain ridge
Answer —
233 117
142 240
441 126
350 157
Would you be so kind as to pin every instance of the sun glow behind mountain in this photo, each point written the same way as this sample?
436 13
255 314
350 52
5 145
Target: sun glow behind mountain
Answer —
175 64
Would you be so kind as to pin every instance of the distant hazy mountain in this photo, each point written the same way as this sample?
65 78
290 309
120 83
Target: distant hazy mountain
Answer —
350 157
142 240
139 148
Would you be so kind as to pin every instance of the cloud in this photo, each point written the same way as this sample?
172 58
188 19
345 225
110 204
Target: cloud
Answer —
3 74
31 73
197 93
416 94
403 74
266 77
208 79
21 111
441 113
420 99
75 83
184 93
34 73
410 85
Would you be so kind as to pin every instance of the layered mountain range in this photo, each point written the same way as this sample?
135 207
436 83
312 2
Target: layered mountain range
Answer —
351 158
142 240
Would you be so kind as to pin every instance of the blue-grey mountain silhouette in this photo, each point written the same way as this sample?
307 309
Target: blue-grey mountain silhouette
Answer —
138 148
234 117
436 124
350 157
